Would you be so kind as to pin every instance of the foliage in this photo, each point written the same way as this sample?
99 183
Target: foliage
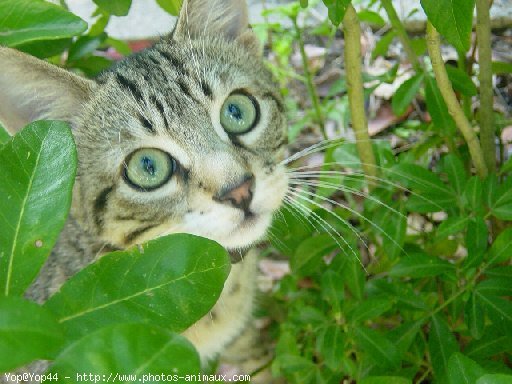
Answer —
128 325
407 276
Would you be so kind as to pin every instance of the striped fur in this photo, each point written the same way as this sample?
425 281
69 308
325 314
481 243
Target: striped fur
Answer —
167 97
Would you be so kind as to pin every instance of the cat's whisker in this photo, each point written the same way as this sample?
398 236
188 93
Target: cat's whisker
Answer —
299 193
328 228
402 175
320 146
298 215
344 188
356 175
354 212
275 239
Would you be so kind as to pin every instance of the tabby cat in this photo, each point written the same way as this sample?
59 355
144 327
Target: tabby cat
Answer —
186 136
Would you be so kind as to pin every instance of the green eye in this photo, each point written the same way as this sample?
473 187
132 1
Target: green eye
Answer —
148 168
239 114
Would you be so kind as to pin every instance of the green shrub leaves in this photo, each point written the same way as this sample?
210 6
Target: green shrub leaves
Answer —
170 282
127 353
27 332
38 171
453 19
30 20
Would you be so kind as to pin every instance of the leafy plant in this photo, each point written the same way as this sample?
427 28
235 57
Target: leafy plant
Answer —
406 277
122 323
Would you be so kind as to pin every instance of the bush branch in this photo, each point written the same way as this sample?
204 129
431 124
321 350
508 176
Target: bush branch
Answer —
352 33
402 34
434 50
486 118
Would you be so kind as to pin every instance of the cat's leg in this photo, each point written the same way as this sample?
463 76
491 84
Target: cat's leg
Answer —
232 312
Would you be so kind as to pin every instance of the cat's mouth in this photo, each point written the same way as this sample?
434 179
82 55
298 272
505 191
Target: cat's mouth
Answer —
238 254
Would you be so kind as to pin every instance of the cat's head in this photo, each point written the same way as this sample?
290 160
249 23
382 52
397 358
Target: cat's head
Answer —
185 136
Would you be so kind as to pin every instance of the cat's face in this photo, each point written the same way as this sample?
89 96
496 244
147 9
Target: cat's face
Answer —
184 137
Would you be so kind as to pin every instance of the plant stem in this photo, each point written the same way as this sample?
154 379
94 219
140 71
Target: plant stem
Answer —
434 50
353 73
487 129
402 34
309 80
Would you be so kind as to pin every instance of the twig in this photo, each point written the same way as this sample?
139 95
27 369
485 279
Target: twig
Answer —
352 33
434 49
402 34
486 115
319 117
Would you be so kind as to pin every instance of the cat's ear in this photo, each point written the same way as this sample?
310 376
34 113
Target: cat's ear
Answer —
222 18
32 89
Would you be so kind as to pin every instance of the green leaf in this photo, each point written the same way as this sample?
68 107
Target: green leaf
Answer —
406 93
331 345
85 45
472 195
336 10
171 282
370 309
476 242
30 20
463 370
385 380
170 6
495 379
492 343
354 278
115 7
420 179
27 332
378 348
441 345
38 170
382 46
297 369
437 108
308 257
127 349
501 249
332 289
499 310
456 173
4 135
451 226
501 67
393 225
346 155
420 265
502 205
498 286
403 335
371 17
304 3
453 19
474 317
461 81
45 48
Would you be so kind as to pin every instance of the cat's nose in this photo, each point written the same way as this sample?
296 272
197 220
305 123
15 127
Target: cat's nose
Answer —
240 195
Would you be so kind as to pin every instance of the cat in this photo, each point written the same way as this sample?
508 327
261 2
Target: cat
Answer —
185 136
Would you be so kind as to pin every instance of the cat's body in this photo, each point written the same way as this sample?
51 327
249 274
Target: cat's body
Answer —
183 137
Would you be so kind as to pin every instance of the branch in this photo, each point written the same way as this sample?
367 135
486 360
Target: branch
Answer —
402 34
352 33
486 118
434 50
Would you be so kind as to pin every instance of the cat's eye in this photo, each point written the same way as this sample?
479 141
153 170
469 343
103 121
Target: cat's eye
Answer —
239 113
148 168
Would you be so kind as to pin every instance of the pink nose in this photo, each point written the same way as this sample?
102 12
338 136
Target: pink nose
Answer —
240 195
